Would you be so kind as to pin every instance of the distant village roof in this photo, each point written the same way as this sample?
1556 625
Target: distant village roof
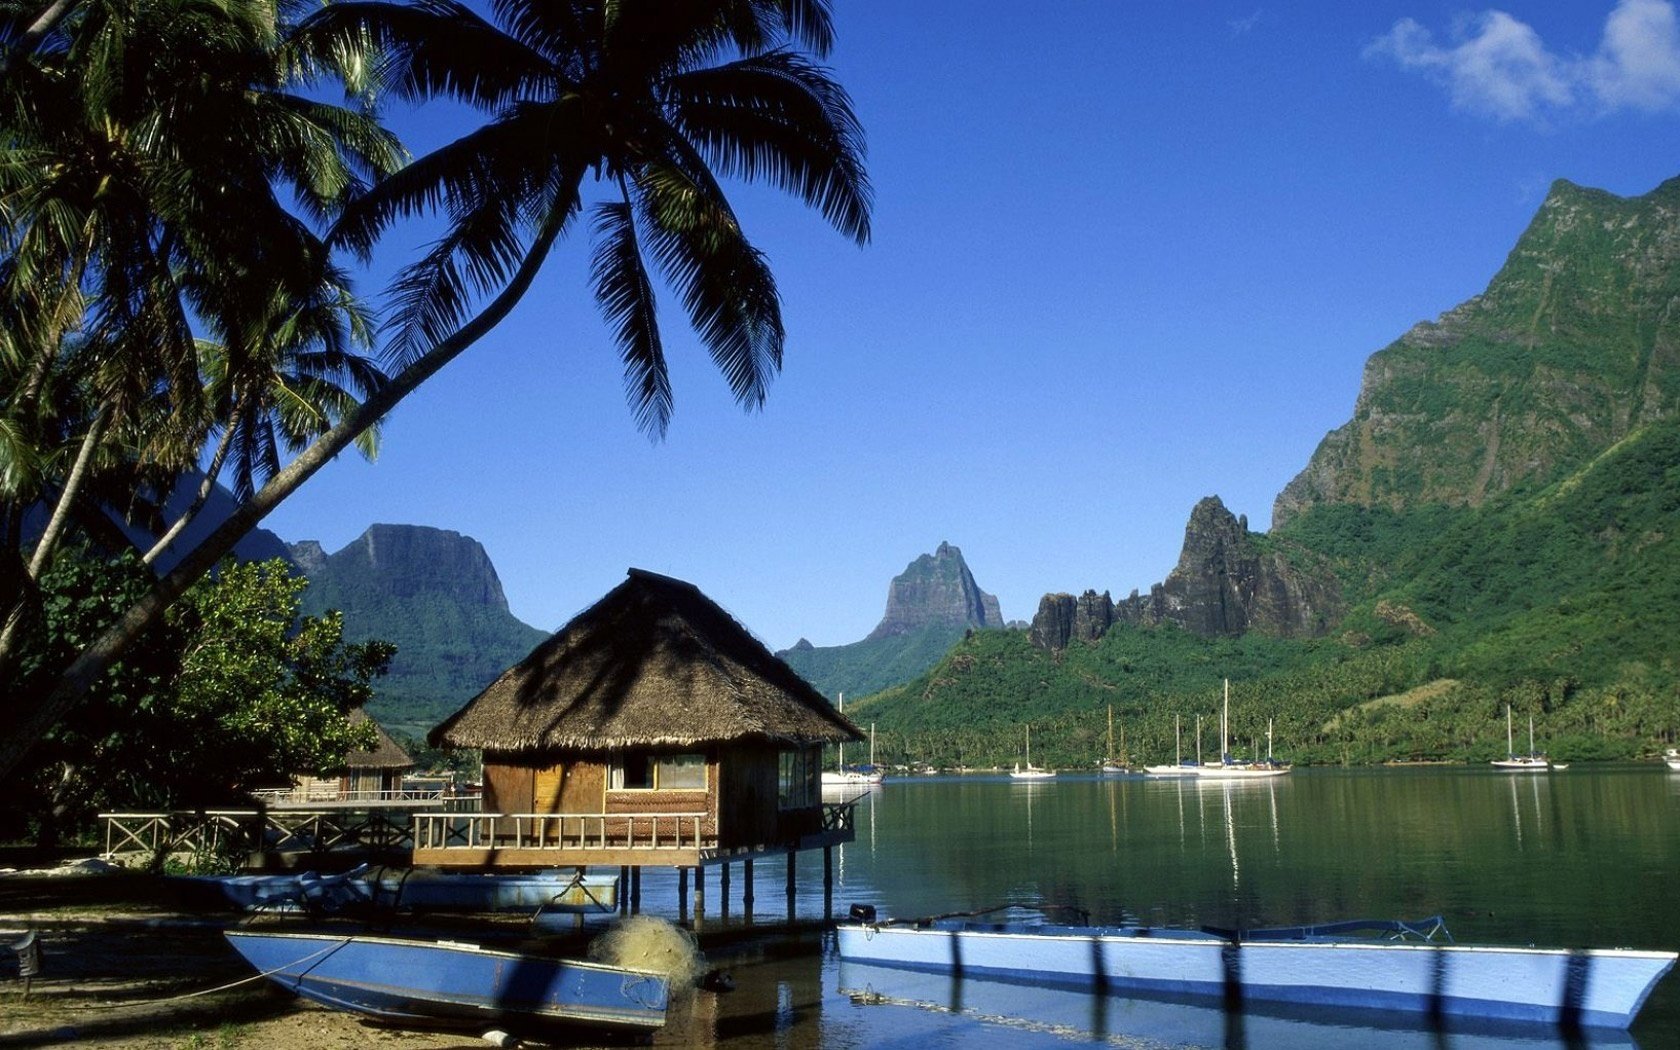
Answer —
386 753
654 663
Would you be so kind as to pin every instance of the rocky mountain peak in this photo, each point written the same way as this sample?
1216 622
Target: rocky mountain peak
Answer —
1227 582
308 555
410 560
936 590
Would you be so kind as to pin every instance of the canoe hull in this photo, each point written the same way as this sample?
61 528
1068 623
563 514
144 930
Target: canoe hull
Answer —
1599 988
441 984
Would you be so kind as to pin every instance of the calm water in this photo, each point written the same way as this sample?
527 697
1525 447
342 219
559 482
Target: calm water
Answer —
1587 857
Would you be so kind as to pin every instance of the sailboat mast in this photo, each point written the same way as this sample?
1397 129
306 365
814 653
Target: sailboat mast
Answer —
1268 739
1178 751
1198 740
842 755
1225 725
1510 745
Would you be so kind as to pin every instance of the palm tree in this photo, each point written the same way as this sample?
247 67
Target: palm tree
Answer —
134 134
282 379
653 103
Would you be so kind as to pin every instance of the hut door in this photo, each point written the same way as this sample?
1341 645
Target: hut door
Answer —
546 789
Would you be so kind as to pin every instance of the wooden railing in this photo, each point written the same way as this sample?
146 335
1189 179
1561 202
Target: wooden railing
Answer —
307 795
572 831
209 833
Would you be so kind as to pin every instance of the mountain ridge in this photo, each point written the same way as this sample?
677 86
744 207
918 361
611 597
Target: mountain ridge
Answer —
436 595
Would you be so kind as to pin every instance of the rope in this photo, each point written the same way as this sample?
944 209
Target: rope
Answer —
323 952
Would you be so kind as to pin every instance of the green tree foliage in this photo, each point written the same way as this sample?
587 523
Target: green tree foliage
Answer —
230 693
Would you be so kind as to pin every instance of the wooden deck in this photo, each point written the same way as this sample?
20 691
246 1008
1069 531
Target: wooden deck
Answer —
513 841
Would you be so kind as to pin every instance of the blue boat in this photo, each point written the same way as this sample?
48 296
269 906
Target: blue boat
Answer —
1403 968
566 892
451 985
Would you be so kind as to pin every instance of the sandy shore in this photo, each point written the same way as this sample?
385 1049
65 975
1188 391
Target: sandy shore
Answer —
123 966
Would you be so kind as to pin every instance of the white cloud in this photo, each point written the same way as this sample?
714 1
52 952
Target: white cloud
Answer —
1496 65
1638 64
1239 26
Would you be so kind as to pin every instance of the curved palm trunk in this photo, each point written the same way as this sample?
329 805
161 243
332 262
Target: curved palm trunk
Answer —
207 486
37 713
37 30
70 493
44 547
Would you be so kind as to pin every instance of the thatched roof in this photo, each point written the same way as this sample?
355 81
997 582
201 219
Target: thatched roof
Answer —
386 753
655 663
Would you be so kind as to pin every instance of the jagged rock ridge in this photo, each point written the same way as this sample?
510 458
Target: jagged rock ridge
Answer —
1226 583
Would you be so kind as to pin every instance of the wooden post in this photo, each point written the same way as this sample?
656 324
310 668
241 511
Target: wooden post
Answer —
747 893
793 857
723 888
699 896
828 883
636 890
682 893
624 878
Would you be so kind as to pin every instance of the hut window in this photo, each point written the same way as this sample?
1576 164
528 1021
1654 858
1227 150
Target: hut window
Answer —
680 771
796 781
639 771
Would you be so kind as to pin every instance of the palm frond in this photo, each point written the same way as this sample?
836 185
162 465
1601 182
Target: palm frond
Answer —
724 282
626 297
428 48
780 118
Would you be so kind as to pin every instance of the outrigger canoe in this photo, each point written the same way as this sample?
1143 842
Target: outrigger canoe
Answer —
1379 965
446 984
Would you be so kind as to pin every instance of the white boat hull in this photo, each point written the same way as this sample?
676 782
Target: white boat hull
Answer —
1596 988
1240 772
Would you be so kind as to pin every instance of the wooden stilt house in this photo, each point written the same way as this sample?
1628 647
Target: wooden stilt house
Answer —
651 730
365 776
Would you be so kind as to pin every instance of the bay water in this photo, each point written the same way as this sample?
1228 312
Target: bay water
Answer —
1588 857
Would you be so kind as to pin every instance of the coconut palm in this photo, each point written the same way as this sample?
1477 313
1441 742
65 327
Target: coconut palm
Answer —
662 146
651 102
154 158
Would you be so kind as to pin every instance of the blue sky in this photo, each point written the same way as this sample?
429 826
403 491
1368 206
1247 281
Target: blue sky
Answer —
1126 255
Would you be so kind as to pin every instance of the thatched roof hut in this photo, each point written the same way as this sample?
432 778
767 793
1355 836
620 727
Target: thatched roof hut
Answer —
653 664
386 753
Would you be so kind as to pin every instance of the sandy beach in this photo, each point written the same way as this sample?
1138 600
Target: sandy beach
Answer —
123 966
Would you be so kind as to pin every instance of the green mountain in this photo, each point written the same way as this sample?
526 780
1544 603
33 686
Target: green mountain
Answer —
930 606
1497 524
436 596
1573 346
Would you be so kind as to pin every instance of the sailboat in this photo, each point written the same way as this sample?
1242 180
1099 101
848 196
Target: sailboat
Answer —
1533 762
1111 766
853 776
1030 771
1180 767
1230 768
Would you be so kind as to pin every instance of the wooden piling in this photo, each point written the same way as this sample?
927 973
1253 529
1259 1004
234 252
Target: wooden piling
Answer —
828 883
